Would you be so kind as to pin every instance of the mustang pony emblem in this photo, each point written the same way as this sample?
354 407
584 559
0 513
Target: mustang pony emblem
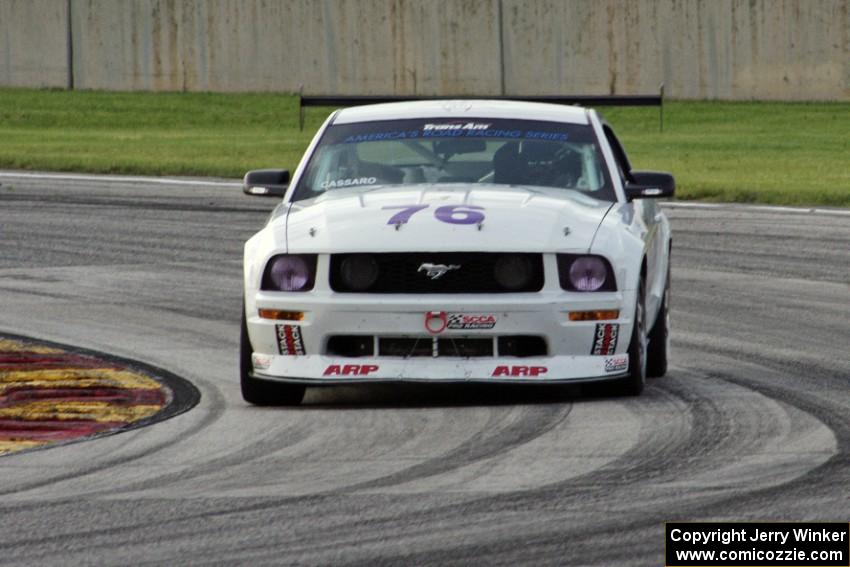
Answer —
436 271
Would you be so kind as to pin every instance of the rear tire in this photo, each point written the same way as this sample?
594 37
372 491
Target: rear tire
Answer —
659 337
632 385
263 392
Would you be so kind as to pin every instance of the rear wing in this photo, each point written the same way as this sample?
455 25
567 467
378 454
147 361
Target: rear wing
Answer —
581 100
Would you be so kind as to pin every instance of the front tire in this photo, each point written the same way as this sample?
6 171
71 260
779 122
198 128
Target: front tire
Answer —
262 392
659 337
632 385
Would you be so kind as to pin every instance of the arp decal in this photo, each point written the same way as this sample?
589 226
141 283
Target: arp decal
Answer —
289 340
617 363
471 321
350 369
449 214
605 339
519 371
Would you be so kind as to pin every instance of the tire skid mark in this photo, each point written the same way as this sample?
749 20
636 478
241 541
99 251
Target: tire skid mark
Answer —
545 540
501 433
490 442
561 499
828 405
50 395
251 451
171 524
565 498
696 441
548 542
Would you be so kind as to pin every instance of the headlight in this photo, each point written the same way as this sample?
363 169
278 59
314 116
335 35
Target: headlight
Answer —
290 272
359 271
585 273
513 272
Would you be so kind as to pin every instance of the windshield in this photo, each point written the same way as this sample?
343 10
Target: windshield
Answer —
492 151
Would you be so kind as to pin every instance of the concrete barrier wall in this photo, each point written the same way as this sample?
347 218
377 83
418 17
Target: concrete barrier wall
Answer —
33 43
726 49
330 46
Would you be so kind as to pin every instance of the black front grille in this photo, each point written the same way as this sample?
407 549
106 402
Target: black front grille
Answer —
461 347
406 273
352 346
466 348
405 347
522 345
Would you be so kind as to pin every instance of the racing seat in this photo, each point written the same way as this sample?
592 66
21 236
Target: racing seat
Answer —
551 164
383 173
509 168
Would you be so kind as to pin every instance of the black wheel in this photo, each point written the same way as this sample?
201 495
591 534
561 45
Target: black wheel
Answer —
659 337
263 392
632 385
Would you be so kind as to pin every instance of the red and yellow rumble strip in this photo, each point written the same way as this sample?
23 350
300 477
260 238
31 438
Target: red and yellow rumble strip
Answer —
49 395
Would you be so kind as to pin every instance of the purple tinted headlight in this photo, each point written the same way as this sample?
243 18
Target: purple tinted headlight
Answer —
585 273
290 272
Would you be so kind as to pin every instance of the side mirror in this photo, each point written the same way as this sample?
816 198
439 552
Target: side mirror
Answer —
650 185
266 182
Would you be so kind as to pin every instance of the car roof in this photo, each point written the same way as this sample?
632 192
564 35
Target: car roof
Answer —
460 108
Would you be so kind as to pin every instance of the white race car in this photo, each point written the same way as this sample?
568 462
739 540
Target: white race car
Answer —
455 241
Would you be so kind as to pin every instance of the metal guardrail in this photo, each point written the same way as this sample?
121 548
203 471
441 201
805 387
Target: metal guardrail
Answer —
581 100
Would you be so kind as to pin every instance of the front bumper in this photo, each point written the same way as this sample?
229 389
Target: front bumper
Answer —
569 354
318 369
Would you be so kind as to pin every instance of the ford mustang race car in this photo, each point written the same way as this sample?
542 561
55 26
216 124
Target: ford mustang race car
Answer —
466 240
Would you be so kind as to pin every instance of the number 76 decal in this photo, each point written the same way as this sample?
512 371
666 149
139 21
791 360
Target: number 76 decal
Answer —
452 214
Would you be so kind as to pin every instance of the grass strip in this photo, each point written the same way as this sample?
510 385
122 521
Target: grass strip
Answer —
758 152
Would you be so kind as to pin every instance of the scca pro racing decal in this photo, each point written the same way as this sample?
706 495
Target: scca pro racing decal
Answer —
289 340
438 321
470 321
605 339
617 363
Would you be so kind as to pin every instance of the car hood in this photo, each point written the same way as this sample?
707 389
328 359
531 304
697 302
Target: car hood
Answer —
515 219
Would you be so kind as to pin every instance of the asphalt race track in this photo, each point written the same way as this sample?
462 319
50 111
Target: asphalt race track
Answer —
751 423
